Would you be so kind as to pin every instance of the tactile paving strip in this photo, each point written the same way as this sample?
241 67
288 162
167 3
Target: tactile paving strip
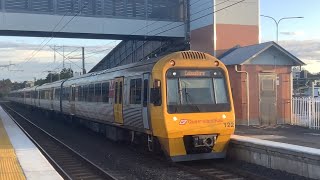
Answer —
10 168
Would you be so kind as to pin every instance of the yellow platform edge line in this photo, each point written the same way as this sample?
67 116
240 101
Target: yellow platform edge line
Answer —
10 168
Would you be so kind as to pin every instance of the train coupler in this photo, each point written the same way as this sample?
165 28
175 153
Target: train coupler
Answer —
204 140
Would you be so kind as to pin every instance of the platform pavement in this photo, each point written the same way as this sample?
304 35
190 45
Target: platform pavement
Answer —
295 135
287 148
19 157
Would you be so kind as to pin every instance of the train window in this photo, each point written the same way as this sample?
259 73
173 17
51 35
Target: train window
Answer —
66 94
91 93
220 90
73 93
80 94
47 94
85 93
116 94
192 94
97 92
57 94
145 92
135 91
120 93
42 94
50 94
105 92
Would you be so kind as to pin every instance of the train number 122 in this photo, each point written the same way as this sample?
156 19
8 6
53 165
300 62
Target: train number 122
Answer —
229 124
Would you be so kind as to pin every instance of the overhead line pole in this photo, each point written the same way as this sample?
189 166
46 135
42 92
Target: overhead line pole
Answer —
63 57
83 64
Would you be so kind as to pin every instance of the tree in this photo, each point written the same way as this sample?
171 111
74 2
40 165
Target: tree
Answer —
39 82
52 77
5 87
66 73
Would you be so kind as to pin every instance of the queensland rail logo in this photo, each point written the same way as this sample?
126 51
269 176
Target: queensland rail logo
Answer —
183 122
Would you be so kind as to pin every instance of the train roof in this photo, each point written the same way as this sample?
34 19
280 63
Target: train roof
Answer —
51 85
122 69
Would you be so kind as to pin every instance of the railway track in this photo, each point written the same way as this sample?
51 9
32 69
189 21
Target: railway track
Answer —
69 163
216 171
188 170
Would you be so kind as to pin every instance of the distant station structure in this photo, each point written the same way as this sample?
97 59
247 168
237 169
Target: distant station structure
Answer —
94 19
210 26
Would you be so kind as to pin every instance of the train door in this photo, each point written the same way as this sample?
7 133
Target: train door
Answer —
145 112
268 99
73 100
118 100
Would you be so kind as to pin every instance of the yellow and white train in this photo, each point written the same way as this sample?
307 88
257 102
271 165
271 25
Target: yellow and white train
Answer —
182 101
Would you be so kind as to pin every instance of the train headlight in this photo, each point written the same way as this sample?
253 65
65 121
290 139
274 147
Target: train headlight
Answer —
216 63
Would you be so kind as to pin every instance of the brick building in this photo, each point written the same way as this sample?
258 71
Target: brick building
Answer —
261 83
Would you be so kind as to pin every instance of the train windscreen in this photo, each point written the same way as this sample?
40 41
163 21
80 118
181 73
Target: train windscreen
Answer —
192 91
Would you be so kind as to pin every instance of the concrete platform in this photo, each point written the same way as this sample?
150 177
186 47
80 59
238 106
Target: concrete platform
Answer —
283 133
19 157
287 148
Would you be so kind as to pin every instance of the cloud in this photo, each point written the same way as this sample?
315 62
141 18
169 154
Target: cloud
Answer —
19 52
308 51
296 33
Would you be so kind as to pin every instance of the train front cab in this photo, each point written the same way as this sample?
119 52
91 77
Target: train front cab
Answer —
191 108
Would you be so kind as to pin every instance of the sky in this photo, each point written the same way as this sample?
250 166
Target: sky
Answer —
301 37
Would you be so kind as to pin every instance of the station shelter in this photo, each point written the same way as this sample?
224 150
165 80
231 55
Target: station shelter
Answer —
261 82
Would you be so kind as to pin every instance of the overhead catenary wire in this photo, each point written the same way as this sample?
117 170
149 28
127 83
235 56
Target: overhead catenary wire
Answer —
210 7
96 52
100 51
29 59
141 29
66 58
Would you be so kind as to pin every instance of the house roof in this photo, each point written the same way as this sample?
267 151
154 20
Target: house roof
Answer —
241 55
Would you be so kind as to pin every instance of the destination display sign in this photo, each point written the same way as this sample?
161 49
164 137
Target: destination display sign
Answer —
194 73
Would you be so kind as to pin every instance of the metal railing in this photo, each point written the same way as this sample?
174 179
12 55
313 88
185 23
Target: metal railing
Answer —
135 9
306 112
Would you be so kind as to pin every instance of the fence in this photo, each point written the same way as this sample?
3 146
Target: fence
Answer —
306 112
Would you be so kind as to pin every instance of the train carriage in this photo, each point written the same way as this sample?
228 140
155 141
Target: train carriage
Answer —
182 101
30 96
49 96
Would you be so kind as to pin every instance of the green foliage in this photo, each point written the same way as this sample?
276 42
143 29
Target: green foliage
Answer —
66 73
6 85
52 77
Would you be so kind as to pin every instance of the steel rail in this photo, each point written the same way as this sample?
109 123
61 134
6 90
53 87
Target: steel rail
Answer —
62 165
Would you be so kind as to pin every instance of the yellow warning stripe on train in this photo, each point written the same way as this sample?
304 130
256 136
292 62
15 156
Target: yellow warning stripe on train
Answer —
9 164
